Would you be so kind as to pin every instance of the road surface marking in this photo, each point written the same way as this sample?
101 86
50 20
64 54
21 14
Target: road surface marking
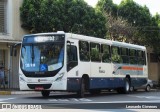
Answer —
148 97
4 99
157 101
71 99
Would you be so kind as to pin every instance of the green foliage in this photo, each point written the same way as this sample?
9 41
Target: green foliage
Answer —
62 15
95 56
116 58
106 56
131 22
127 21
140 18
107 6
118 27
156 18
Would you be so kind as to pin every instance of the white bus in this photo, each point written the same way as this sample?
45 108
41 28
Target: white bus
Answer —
76 63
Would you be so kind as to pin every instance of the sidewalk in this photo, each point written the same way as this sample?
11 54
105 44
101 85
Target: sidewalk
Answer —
16 92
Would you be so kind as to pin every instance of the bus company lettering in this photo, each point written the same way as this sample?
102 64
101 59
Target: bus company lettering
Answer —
101 71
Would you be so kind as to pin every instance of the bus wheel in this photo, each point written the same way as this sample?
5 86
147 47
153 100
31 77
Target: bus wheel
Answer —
81 92
126 89
45 93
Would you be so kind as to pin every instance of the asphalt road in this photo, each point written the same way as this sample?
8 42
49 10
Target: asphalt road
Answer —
103 101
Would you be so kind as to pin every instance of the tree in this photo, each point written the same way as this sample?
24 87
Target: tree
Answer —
107 6
118 28
131 22
67 15
140 18
157 19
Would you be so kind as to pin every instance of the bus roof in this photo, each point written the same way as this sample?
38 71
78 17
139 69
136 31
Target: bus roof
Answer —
49 33
95 39
105 41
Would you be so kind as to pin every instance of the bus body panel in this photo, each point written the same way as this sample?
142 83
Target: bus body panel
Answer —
54 83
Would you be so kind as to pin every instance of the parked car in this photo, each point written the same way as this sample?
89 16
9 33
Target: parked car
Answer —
146 86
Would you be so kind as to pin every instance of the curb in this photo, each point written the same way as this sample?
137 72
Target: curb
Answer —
23 92
5 92
17 92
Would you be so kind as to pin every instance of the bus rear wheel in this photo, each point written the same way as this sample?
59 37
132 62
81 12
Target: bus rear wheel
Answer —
126 89
45 93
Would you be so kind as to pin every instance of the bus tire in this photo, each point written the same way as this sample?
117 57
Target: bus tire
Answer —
126 88
81 92
45 93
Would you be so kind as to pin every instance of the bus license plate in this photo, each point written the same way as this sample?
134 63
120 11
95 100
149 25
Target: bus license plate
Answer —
39 88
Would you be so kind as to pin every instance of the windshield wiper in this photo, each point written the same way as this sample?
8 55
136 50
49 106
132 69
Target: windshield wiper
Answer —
32 54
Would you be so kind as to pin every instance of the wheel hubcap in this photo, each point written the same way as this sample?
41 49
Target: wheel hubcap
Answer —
127 86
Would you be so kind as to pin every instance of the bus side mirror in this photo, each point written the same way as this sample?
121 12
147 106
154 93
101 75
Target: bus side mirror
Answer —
13 50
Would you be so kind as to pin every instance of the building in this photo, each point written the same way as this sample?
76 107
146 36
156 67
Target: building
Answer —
11 33
153 66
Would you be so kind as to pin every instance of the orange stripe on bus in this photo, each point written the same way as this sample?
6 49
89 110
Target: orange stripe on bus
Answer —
131 68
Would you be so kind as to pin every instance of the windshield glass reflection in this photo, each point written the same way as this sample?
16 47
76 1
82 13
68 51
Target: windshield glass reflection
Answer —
42 57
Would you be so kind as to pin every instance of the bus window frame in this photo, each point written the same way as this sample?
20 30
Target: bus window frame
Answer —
125 55
71 63
86 51
117 55
99 52
102 53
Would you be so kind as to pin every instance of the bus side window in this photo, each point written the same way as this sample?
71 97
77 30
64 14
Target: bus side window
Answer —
95 52
116 57
144 57
124 55
84 51
72 59
132 56
106 55
141 57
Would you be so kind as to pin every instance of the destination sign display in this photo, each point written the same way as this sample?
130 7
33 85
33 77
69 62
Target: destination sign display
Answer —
43 38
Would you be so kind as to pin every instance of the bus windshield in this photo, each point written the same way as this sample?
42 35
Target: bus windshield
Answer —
42 56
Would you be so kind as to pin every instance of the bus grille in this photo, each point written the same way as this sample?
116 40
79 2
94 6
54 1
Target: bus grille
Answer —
33 86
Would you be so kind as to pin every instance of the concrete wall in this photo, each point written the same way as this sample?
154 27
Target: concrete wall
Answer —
153 68
14 35
154 71
17 31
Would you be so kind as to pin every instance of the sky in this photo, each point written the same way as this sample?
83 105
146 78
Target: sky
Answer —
153 5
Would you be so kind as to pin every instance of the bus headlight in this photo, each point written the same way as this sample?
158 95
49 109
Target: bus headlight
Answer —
60 77
22 79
